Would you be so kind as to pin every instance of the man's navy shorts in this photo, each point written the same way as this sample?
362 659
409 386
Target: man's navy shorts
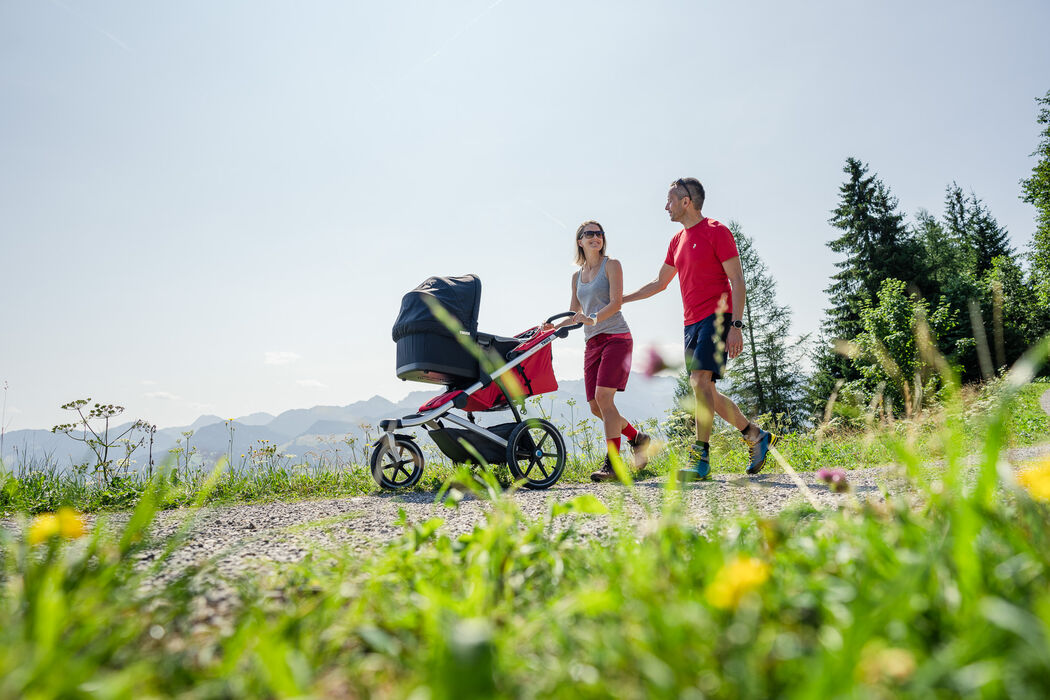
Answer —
705 344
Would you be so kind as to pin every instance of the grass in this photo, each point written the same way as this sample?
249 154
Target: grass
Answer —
944 599
44 488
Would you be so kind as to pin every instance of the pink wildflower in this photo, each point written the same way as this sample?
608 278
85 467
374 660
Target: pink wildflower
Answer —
653 362
835 479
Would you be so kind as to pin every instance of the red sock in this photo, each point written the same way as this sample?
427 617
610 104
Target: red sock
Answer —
629 432
614 444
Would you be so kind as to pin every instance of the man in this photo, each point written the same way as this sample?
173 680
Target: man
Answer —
705 258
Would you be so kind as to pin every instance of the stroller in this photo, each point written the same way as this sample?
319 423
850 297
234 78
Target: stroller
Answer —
438 343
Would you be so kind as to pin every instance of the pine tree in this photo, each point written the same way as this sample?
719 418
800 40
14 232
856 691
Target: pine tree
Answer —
1036 191
876 244
970 224
767 377
961 254
946 251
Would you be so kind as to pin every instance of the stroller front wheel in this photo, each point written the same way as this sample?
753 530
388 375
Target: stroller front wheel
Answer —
536 453
397 468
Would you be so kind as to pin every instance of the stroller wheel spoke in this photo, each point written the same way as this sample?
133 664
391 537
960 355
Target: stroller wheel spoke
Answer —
536 453
399 467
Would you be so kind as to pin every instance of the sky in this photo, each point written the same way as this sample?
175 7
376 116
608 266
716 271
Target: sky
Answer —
216 207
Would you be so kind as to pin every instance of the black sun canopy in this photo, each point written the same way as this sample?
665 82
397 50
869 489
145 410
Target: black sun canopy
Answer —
460 296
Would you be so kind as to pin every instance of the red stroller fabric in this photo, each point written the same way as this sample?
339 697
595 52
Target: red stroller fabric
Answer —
533 376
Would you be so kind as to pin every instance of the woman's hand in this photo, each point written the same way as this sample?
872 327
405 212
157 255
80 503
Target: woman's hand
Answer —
547 326
583 318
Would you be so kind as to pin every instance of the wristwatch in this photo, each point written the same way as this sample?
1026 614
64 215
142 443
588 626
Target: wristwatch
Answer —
593 317
737 324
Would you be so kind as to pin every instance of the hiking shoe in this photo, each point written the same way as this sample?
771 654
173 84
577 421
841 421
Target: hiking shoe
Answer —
699 467
605 472
760 450
640 450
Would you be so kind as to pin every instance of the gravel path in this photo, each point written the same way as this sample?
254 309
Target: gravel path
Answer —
234 541
244 537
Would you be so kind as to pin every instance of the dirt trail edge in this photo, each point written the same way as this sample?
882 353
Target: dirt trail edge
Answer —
247 538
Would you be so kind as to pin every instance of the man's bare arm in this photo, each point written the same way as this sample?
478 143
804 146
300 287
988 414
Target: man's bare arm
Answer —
658 285
735 273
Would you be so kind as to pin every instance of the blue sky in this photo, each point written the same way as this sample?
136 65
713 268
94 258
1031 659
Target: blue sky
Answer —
216 207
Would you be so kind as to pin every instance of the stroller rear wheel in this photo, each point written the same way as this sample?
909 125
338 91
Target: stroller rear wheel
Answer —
536 453
399 468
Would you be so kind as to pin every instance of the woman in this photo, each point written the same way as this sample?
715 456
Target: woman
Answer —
597 293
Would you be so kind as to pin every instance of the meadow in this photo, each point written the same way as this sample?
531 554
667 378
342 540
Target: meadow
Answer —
941 595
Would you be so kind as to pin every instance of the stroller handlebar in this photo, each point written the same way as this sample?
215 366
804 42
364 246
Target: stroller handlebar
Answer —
563 332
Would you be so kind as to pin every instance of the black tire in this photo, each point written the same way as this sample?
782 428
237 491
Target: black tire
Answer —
399 468
536 453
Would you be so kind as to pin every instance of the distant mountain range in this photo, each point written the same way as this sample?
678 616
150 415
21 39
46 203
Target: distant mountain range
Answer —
311 433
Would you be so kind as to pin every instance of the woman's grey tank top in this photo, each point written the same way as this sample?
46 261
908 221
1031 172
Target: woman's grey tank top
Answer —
594 296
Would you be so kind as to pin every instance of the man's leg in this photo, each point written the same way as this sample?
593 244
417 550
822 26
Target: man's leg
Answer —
732 414
706 397
758 441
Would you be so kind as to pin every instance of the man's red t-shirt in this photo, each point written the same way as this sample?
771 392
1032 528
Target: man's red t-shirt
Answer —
697 253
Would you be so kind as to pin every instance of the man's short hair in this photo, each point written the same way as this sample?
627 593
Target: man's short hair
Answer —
692 188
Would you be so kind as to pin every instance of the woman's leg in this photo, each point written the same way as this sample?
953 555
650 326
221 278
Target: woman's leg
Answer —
597 412
614 423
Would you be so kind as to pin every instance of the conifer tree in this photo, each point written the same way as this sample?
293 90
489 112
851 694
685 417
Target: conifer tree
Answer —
767 377
970 224
876 245
961 255
946 251
1036 191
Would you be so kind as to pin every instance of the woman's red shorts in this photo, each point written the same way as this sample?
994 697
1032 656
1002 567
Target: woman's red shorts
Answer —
607 362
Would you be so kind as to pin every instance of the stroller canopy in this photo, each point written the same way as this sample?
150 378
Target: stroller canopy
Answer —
460 296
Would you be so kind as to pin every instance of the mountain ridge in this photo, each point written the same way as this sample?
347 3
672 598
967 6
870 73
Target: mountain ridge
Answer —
302 431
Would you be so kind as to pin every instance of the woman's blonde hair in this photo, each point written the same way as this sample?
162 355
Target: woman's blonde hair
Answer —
580 257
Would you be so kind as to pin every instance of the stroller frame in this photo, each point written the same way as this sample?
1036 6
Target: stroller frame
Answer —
397 461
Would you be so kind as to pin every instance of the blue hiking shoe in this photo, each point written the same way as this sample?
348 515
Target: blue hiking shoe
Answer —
760 450
699 468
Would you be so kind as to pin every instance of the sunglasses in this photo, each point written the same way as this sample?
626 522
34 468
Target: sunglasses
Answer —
591 234
684 185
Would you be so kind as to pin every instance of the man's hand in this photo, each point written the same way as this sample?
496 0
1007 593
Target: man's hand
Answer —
735 343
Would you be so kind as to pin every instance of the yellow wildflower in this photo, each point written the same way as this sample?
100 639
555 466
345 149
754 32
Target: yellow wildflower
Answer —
70 523
735 580
44 527
1036 480
65 523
